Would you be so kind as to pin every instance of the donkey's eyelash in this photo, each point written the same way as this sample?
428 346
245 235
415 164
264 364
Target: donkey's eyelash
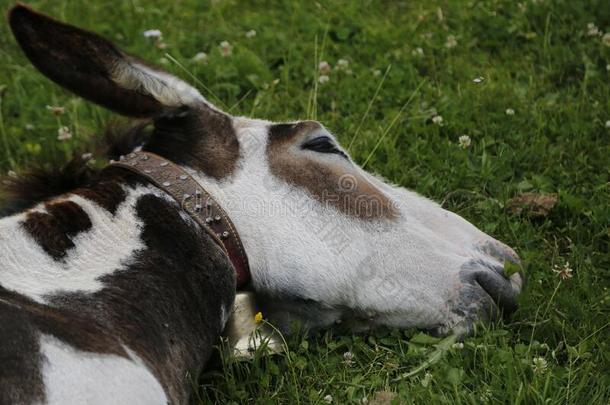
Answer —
323 144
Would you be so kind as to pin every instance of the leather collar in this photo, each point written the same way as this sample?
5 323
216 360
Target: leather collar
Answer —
193 199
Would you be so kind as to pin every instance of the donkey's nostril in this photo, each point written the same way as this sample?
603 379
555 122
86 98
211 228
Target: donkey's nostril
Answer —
504 291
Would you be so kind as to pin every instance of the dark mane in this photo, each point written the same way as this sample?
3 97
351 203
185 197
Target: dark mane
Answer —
41 182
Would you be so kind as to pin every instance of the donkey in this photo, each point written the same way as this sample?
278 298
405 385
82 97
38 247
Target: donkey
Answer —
116 290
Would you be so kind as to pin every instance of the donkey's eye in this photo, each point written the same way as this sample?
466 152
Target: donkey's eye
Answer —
323 144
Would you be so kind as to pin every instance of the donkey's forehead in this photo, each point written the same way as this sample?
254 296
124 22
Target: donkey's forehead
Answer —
247 127
250 127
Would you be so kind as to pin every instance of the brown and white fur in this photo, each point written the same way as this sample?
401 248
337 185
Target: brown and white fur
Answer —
110 293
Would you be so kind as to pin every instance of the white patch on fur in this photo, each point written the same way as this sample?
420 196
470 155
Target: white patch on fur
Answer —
393 272
105 248
72 376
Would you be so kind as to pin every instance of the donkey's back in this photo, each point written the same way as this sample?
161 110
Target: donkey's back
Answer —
108 294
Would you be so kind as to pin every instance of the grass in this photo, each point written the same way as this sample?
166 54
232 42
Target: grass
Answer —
535 57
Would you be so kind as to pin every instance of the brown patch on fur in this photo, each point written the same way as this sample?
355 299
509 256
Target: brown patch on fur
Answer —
197 137
54 230
21 379
82 332
78 60
108 194
70 215
333 184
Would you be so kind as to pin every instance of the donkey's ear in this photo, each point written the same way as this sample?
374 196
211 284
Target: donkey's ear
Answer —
95 68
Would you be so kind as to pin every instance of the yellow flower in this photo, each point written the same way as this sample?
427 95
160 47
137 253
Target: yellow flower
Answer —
258 318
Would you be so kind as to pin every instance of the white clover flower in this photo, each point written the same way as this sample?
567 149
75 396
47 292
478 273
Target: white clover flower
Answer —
324 67
63 134
342 64
29 127
451 42
152 33
348 358
458 345
464 142
592 30
510 111
486 395
56 110
438 120
417 52
563 272
530 35
328 399
250 34
200 57
608 67
608 124
226 49
12 174
377 72
539 365
86 156
323 79
606 39
478 80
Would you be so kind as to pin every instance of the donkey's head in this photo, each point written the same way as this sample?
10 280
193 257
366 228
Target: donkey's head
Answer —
327 242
